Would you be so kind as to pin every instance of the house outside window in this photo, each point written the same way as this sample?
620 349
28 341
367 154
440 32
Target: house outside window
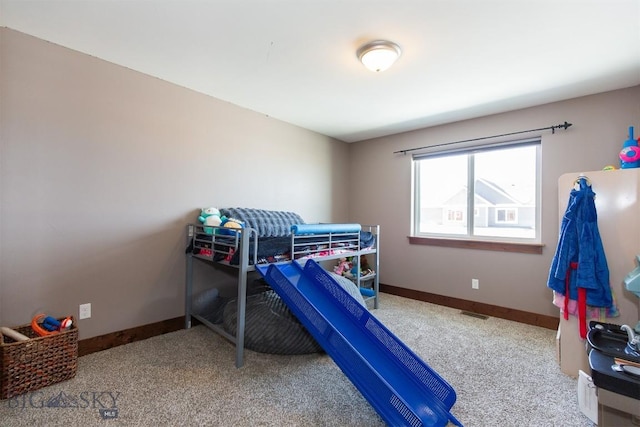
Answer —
483 193
455 215
507 215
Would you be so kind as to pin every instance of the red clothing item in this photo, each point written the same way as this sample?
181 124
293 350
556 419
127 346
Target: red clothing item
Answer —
582 302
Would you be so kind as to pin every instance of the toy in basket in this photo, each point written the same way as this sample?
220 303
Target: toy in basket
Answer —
47 325
29 361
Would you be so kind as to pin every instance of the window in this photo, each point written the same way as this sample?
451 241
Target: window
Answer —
481 193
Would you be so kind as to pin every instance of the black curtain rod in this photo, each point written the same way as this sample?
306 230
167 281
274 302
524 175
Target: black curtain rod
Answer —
564 126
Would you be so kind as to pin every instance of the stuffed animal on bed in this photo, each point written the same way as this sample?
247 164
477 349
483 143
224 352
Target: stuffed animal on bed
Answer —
230 224
343 267
211 217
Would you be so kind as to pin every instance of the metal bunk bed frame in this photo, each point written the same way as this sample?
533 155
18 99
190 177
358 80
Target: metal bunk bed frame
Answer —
240 241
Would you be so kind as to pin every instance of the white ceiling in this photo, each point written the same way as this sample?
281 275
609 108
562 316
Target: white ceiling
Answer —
295 60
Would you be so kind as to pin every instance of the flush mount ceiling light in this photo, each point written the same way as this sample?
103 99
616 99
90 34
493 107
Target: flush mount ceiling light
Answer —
378 55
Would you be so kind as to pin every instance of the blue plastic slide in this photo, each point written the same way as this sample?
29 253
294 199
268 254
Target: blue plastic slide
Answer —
402 388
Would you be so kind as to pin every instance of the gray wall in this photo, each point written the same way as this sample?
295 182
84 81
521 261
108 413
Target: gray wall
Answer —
511 280
101 169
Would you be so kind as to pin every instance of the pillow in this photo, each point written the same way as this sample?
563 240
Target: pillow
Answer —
267 223
349 286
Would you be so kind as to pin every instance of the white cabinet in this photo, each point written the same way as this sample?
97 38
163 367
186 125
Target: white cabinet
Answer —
618 207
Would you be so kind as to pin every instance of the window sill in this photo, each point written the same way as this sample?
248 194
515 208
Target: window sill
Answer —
527 248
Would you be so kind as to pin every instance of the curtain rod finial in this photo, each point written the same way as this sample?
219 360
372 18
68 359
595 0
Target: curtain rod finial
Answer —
564 126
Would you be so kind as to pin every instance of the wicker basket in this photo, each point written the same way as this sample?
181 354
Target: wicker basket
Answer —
41 361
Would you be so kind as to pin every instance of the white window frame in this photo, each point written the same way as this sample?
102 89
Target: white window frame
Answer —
473 211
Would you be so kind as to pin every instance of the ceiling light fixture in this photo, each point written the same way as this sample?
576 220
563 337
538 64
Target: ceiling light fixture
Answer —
378 55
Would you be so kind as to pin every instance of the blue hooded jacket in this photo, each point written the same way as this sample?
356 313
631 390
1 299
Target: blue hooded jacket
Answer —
580 242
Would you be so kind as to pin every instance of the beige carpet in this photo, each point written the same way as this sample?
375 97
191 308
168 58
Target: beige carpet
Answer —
505 374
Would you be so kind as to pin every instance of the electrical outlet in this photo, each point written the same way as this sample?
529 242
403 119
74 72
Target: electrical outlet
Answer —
85 311
475 284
